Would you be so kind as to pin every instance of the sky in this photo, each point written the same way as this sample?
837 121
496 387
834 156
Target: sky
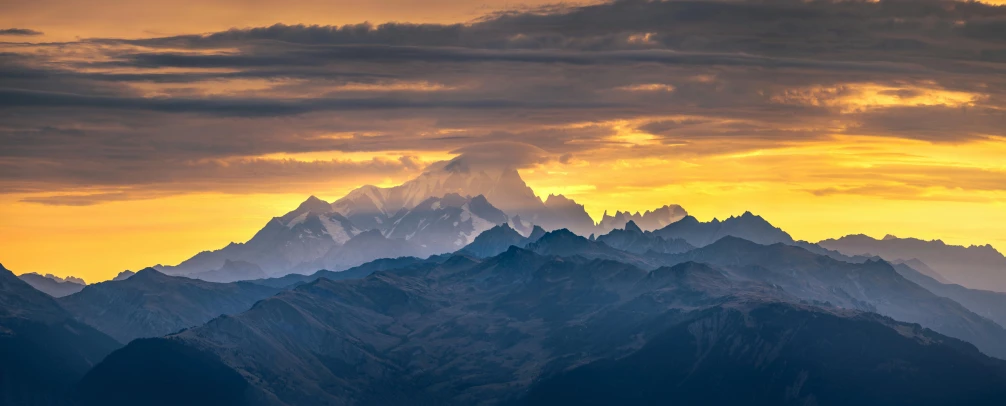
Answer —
140 133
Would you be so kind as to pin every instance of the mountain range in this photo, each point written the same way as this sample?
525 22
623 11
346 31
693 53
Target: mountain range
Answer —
152 304
440 211
976 266
53 285
648 221
747 226
527 328
632 238
451 203
44 350
462 286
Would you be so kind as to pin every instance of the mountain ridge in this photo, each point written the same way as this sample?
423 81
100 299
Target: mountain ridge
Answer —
975 266
151 304
44 351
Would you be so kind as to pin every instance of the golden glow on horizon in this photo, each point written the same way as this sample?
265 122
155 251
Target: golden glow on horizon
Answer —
813 190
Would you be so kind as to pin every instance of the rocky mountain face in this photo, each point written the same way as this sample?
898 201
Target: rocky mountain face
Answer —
532 326
44 351
976 267
632 238
499 239
447 224
152 304
53 285
372 207
646 221
364 247
304 234
564 243
315 237
232 271
747 226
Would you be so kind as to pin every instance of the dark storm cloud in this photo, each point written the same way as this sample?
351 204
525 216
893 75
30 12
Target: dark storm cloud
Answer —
334 55
12 98
20 32
115 112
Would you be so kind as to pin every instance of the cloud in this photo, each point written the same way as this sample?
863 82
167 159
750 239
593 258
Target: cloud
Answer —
20 32
83 200
607 82
266 107
499 155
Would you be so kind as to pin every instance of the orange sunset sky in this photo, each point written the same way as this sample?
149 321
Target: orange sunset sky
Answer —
140 133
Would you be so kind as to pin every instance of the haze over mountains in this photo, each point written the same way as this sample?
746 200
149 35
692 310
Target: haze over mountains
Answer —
451 203
976 267
53 285
151 304
44 351
432 293
440 211
519 327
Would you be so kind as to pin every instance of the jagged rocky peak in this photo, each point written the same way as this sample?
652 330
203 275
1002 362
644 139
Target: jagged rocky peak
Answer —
555 200
647 221
53 285
747 226
312 205
631 226
54 278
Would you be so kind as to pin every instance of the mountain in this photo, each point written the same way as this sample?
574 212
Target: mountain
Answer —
314 237
783 354
293 280
372 207
563 243
519 327
152 304
441 210
302 235
873 286
497 240
362 248
53 285
985 303
976 266
647 221
633 239
445 224
563 213
43 350
924 269
747 226
123 275
232 271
